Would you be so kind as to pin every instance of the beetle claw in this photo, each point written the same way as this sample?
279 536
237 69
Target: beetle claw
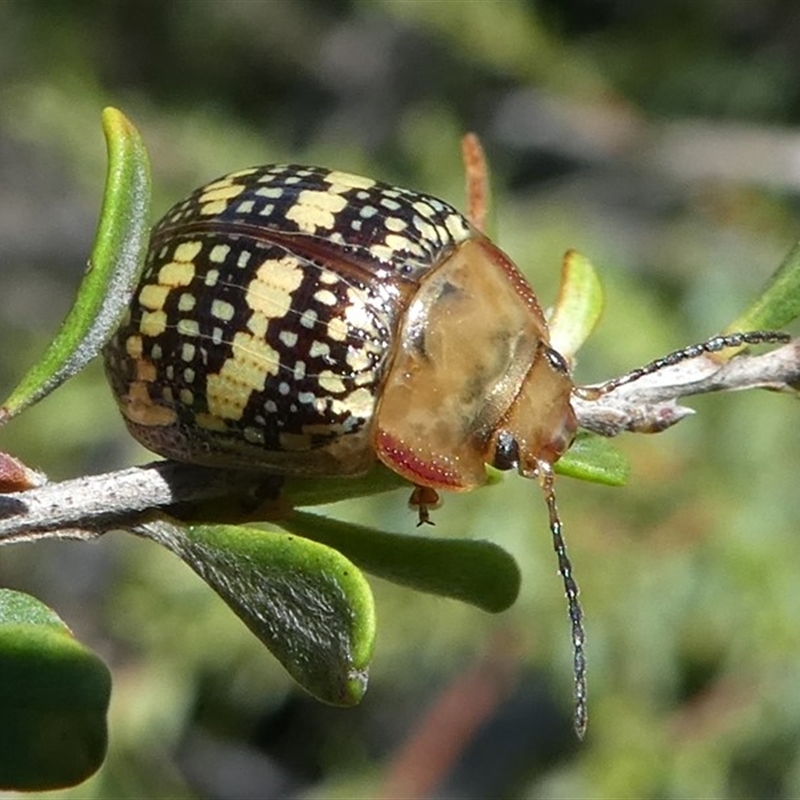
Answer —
423 498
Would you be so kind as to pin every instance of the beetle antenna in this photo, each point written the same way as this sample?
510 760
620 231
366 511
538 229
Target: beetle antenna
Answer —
580 718
713 345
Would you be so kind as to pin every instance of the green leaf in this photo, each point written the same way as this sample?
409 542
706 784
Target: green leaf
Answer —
476 572
306 491
593 458
578 306
116 260
54 696
779 302
307 603
17 608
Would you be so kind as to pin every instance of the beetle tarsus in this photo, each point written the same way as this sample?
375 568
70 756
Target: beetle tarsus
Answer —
424 498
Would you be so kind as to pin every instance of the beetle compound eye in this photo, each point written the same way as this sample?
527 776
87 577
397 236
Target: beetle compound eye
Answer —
556 360
506 451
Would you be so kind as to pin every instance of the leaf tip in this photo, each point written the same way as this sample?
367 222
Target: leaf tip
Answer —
355 687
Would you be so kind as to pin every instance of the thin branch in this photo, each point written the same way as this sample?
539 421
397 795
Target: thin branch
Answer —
649 405
87 507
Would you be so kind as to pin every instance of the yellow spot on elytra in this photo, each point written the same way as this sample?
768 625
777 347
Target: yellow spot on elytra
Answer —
356 312
382 252
319 349
337 329
270 292
221 183
146 371
244 372
210 423
330 383
257 325
325 296
358 360
455 225
221 192
176 273
364 377
360 403
338 407
188 327
342 181
188 351
153 296
308 318
138 407
187 251
253 435
223 310
398 242
133 346
313 210
395 224
395 244
289 338
423 208
186 396
218 253
186 302
153 323
427 230
212 209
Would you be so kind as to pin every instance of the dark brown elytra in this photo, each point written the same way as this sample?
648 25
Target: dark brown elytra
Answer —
304 321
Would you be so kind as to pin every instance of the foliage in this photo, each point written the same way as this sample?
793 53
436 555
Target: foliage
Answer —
54 694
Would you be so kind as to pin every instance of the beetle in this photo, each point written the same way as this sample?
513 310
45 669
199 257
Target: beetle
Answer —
305 321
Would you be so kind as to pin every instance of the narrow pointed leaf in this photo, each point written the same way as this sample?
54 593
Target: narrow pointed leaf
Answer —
578 307
779 302
593 458
305 491
54 696
476 572
117 256
307 603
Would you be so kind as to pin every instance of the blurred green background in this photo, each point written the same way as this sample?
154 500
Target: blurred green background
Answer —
660 138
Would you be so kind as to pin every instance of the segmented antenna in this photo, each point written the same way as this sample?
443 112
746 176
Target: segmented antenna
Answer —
712 345
580 717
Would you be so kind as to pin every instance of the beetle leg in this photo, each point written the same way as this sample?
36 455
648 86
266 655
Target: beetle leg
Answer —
423 498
